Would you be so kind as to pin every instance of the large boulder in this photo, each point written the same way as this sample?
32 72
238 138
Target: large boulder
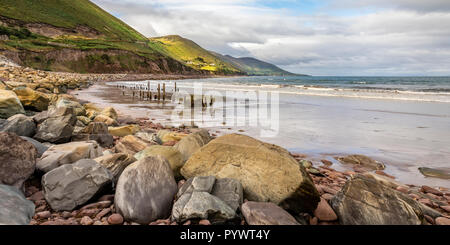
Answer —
363 161
192 143
105 119
95 131
78 109
9 104
14 208
123 130
442 173
72 185
116 163
145 190
167 136
31 99
149 137
266 213
58 127
131 145
364 201
110 112
20 125
17 159
208 198
173 156
267 172
68 153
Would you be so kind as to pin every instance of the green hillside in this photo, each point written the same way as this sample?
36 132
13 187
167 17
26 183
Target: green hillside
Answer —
191 54
76 36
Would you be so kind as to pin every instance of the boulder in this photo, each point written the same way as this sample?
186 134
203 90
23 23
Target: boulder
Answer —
266 172
131 145
173 156
324 212
10 104
72 185
20 125
364 201
104 119
110 112
192 143
41 148
95 131
362 161
78 109
116 163
167 136
17 159
15 209
84 120
442 173
266 213
68 153
145 191
58 127
31 99
151 138
208 198
124 130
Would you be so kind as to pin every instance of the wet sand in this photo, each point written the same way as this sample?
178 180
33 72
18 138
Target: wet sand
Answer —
404 135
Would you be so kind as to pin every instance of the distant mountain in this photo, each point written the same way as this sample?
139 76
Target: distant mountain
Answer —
254 67
76 36
192 55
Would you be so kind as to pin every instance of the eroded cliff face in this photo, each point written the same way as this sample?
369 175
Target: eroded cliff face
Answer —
98 61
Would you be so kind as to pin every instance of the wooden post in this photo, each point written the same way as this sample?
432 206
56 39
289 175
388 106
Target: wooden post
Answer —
164 91
192 101
175 90
148 91
159 91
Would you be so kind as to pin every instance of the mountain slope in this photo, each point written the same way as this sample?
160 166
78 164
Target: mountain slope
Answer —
191 54
77 36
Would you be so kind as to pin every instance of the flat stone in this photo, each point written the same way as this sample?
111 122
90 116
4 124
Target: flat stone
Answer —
265 213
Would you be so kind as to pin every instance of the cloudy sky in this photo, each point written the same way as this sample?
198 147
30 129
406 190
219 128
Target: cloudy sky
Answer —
322 37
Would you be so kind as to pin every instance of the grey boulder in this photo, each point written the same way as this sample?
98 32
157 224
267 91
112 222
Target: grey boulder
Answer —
20 125
72 185
14 208
58 127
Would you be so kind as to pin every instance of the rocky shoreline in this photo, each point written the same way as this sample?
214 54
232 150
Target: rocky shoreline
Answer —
68 162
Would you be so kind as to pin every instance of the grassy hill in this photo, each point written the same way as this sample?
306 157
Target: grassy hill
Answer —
191 54
77 36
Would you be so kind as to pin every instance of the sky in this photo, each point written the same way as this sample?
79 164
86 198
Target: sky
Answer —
322 37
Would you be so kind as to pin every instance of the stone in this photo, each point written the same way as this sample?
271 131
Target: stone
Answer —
9 104
363 161
68 153
427 189
37 196
123 130
384 180
201 205
446 208
20 125
31 99
230 191
41 148
166 136
17 159
86 220
149 137
84 120
115 219
266 172
131 145
72 185
324 212
266 213
173 156
204 222
442 173
58 127
107 120
364 201
78 109
116 163
192 143
44 214
14 208
95 131
442 221
197 184
110 112
145 190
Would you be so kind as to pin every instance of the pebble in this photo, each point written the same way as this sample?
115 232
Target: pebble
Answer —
102 213
87 212
442 221
427 189
429 219
44 214
187 222
101 204
66 215
402 189
414 196
204 222
98 222
324 212
446 208
115 219
86 220
36 196
426 202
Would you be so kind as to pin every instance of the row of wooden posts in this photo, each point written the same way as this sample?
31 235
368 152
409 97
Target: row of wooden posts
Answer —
144 91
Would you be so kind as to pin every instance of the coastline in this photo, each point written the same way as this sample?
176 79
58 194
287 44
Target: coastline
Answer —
102 210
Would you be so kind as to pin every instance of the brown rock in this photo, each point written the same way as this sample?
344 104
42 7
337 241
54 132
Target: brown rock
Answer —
266 213
313 221
86 221
446 208
427 202
44 214
429 219
97 205
115 219
324 212
442 221
88 213
204 222
427 189
102 213
327 196
402 189
37 196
